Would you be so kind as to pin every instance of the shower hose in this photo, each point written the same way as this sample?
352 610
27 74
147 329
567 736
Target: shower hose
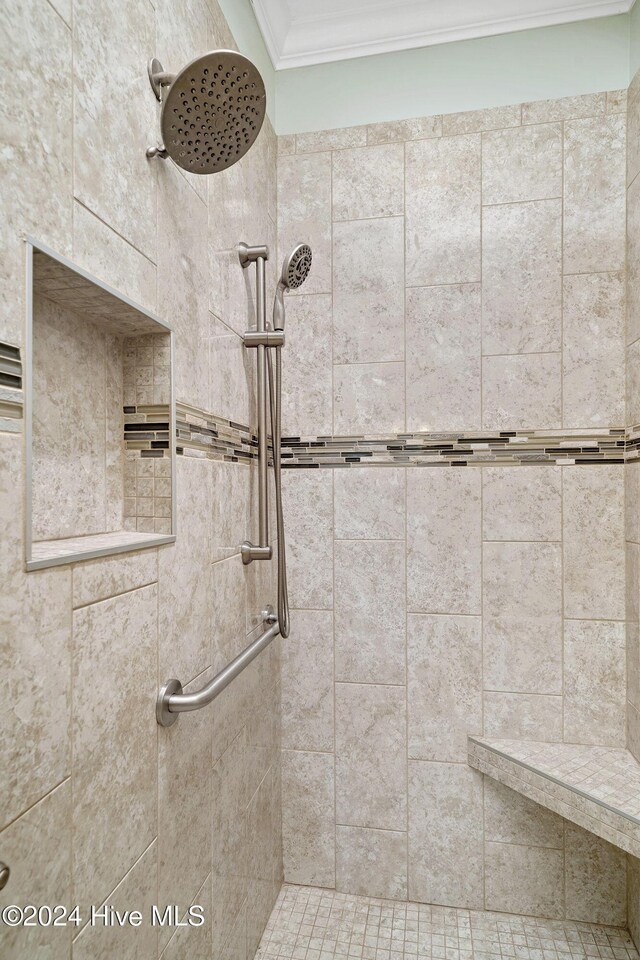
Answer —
275 398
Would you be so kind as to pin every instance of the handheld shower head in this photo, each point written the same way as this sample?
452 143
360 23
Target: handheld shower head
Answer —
212 112
295 270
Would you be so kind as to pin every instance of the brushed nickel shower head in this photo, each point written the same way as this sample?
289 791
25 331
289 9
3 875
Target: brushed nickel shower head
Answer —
295 270
212 111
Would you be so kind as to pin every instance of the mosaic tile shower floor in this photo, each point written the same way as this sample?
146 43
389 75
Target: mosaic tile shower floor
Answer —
309 923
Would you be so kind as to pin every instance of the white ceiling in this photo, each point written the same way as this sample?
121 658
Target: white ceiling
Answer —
302 32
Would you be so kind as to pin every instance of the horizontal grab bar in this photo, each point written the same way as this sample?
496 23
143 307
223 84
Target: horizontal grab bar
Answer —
172 701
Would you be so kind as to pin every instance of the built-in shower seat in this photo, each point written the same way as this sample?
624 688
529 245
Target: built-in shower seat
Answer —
596 787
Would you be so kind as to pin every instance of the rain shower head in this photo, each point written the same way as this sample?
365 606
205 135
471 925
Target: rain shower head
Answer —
212 111
295 270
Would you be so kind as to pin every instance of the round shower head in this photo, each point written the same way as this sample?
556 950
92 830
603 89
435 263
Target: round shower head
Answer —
213 112
296 266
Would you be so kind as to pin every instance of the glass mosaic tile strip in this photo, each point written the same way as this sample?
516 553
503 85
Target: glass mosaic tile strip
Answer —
11 398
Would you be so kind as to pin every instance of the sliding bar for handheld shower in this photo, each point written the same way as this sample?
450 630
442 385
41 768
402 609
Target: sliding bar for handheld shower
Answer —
262 550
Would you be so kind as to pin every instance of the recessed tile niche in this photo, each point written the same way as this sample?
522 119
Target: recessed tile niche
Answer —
99 418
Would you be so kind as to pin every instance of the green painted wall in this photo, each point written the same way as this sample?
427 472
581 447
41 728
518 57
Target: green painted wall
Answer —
244 26
634 37
559 61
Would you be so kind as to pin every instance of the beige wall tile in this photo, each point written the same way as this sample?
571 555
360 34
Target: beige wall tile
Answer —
263 881
368 302
304 214
230 507
109 155
35 627
443 210
229 799
307 376
633 897
595 878
136 891
522 504
340 139
105 577
443 358
594 170
593 502
509 817
185 610
523 163
593 350
286 144
633 262
444 693
522 393
445 829
231 616
114 740
308 507
370 648
567 108
523 716
36 847
368 398
521 282
633 132
594 682
371 863
368 182
307 682
443 541
420 128
371 783
472 121
193 941
523 879
230 374
369 503
633 384
308 827
522 617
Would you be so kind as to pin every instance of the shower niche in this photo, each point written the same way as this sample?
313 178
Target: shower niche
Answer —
99 417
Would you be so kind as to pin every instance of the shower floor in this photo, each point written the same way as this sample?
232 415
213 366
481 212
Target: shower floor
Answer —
310 923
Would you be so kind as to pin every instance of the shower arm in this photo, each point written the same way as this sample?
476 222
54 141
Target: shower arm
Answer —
259 255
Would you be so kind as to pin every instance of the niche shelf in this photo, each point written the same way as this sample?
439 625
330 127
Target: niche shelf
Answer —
99 417
598 788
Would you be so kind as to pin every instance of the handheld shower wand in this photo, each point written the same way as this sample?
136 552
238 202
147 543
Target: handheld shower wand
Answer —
295 271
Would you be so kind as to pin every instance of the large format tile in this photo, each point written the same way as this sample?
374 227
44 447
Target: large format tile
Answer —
307 375
595 878
444 692
593 350
35 627
307 682
36 847
443 357
522 392
565 108
443 210
522 617
115 117
633 262
443 541
522 504
593 522
371 756
304 213
114 739
445 830
594 682
369 503
368 290
510 817
370 578
308 507
368 182
368 398
396 131
523 879
521 277
522 163
308 817
371 862
229 799
105 577
594 195
523 716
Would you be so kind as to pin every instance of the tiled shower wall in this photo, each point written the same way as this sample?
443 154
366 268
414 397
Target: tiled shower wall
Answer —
97 802
468 279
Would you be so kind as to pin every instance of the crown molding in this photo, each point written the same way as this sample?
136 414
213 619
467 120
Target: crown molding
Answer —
390 26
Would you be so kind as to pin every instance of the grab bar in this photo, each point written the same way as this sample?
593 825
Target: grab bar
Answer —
172 701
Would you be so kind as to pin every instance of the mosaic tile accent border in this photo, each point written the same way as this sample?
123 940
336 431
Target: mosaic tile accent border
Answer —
596 787
146 428
201 434
458 449
11 399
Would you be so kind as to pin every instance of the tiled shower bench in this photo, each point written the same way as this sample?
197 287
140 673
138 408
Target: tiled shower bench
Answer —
596 787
